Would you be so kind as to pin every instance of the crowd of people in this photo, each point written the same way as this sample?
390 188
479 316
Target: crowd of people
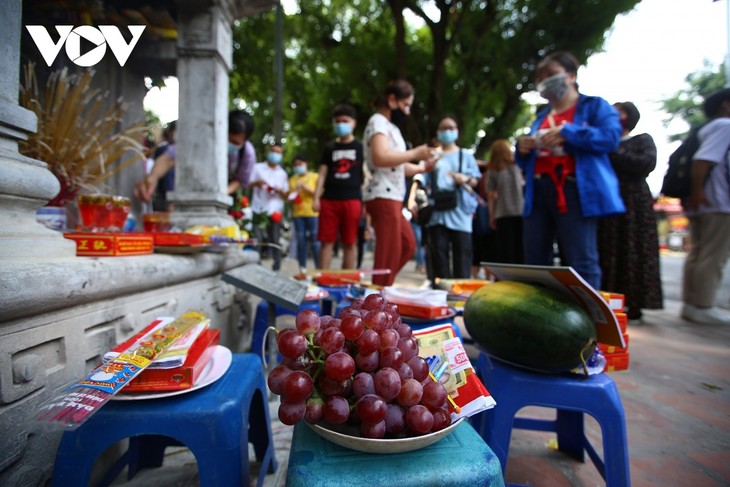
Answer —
572 191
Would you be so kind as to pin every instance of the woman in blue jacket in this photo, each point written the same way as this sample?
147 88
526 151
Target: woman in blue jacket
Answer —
570 182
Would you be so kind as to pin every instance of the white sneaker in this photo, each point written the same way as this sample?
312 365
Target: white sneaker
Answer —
711 316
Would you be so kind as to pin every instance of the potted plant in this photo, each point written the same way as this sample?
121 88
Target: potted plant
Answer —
79 134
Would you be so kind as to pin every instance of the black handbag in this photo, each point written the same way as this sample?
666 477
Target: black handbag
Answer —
446 199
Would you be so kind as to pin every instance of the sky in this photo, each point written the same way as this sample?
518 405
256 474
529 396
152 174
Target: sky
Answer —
647 56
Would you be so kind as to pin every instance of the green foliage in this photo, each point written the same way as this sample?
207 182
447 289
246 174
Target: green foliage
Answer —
686 104
473 60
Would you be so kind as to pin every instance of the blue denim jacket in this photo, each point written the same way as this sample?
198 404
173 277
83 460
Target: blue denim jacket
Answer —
594 133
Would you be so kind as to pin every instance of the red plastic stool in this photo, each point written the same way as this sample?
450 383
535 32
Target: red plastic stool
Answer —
216 423
571 395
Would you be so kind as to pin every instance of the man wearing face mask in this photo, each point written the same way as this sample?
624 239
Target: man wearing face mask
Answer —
338 196
570 182
270 187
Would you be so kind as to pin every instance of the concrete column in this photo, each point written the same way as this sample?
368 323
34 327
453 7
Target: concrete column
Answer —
25 184
204 60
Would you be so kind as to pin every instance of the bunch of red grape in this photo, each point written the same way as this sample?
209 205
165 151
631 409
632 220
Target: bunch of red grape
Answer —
362 369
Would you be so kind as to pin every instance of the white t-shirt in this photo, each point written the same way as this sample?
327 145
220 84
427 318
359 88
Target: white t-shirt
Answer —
264 200
714 146
386 182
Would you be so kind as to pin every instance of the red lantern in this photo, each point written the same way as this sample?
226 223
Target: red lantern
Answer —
276 216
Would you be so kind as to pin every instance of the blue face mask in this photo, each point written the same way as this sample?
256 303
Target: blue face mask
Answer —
274 157
343 129
448 136
233 149
298 170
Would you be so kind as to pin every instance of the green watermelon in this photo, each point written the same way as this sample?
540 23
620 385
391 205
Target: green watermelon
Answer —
530 326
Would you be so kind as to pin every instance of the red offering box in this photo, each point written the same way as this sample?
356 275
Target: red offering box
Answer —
170 239
617 361
420 311
616 301
111 244
182 377
623 320
613 349
337 278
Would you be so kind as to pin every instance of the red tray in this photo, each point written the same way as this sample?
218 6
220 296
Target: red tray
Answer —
172 239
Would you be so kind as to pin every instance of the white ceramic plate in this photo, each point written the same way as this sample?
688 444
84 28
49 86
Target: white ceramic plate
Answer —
214 370
369 445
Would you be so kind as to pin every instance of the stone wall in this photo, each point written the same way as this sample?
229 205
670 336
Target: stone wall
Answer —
43 347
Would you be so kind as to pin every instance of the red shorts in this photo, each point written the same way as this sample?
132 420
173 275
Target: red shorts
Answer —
341 216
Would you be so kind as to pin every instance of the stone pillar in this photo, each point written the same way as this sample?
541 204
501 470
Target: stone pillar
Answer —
204 60
25 184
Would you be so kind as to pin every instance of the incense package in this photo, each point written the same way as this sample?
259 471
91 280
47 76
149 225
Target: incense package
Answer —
182 377
81 400
174 356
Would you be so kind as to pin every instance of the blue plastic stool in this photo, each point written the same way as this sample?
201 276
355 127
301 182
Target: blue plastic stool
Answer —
461 459
337 293
216 423
346 301
572 396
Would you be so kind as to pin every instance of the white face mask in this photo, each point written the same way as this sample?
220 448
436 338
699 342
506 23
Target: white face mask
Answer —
553 88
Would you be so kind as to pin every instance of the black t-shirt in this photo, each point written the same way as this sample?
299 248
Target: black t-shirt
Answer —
344 170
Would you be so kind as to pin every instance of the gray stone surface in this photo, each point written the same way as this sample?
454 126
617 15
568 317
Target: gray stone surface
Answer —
42 351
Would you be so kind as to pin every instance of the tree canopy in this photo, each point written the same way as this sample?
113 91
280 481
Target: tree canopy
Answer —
686 104
472 59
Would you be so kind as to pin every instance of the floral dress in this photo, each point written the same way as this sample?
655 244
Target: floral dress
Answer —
628 243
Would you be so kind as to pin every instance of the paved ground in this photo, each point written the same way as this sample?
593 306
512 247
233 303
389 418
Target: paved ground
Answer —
676 396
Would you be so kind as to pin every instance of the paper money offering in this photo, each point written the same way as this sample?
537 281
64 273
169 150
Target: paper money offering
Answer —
440 345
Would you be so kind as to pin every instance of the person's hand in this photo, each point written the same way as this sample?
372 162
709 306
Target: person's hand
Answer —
552 137
257 183
424 152
697 199
492 222
145 188
526 143
413 208
315 204
460 178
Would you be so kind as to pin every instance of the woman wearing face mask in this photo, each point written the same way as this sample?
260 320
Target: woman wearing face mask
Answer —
628 243
241 153
270 186
569 181
450 226
390 163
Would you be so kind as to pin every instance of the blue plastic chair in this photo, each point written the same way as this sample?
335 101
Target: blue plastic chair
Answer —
571 395
216 423
261 321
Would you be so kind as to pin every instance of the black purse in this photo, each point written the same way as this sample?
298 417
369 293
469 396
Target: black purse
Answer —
444 200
